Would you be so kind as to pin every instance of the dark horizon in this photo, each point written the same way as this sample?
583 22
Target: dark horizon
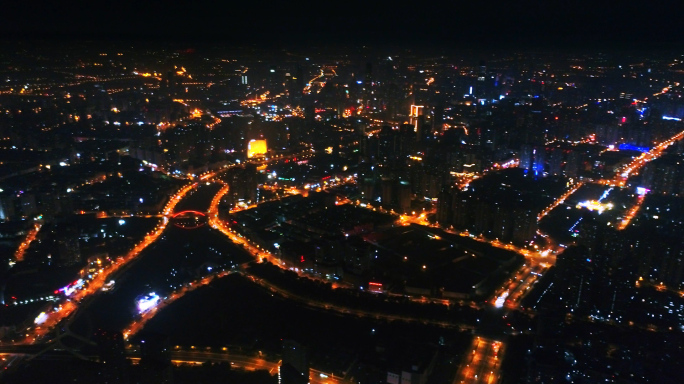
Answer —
492 25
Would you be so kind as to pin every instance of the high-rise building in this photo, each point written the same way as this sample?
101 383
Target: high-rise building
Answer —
532 160
502 226
170 84
368 86
367 187
7 207
111 351
243 185
387 197
29 207
155 359
572 165
462 216
525 226
404 196
555 161
663 175
69 248
417 120
295 366
445 206
416 111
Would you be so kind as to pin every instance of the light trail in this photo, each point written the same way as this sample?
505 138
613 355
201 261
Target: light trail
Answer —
559 200
20 253
483 364
102 277
260 254
200 355
309 85
136 325
631 213
421 219
216 223
644 158
514 289
350 311
416 218
536 258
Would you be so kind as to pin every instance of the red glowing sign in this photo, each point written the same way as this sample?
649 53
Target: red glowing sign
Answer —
375 287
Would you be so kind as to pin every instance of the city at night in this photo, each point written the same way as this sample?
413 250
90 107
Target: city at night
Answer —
342 193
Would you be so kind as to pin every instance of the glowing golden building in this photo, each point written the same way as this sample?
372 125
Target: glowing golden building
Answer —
256 148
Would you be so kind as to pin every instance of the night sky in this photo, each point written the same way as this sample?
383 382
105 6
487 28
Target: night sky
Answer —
574 23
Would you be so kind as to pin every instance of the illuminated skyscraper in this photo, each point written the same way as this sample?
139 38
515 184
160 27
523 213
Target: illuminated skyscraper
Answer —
417 119
533 160
416 111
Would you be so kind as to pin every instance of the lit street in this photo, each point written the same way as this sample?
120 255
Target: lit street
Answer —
482 363
252 198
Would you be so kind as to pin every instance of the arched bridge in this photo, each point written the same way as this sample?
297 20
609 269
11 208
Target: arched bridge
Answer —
189 219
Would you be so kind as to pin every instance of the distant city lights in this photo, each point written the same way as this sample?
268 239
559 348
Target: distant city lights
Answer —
40 319
630 147
71 288
501 300
148 302
595 205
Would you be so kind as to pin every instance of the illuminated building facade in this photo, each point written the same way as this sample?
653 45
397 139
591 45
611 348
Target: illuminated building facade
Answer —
416 113
256 148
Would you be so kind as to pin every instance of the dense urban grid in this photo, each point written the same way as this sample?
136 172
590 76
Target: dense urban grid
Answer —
208 214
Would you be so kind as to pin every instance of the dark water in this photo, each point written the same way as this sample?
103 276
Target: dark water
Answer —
233 311
177 257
